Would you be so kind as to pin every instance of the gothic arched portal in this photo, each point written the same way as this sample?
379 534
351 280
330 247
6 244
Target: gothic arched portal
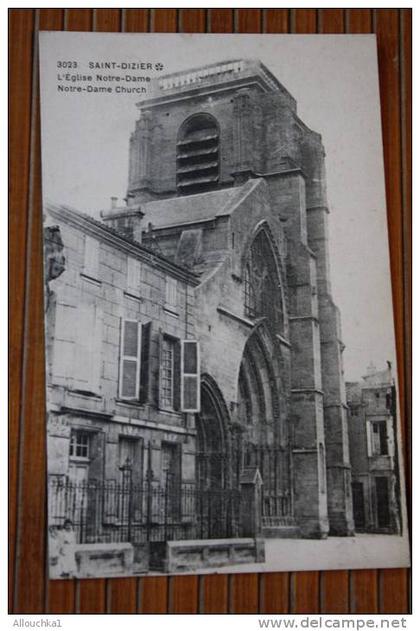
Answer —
262 416
217 502
212 447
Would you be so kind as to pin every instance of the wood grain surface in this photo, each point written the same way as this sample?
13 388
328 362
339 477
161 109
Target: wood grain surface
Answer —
30 591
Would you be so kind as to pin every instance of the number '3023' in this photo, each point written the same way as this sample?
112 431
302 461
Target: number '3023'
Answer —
66 64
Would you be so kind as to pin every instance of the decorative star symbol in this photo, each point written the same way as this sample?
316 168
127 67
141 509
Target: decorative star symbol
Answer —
158 66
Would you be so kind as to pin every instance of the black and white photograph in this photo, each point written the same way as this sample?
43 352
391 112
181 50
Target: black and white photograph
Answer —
221 373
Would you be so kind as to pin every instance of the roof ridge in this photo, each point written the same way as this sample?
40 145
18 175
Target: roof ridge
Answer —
114 232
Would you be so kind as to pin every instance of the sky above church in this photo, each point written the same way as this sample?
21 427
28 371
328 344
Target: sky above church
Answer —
334 81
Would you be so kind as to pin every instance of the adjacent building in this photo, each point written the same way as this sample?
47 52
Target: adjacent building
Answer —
373 452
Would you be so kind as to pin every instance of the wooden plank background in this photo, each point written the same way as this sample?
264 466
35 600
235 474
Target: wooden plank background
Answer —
30 591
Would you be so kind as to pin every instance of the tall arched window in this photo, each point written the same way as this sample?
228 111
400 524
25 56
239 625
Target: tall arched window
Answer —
197 158
262 284
249 292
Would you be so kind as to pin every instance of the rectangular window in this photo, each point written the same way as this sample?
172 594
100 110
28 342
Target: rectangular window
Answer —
146 363
130 357
171 291
79 444
167 373
77 349
190 376
133 276
91 259
379 438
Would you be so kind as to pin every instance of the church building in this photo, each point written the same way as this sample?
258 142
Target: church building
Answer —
217 361
232 185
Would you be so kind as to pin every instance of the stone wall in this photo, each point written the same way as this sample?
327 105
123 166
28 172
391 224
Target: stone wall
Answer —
103 413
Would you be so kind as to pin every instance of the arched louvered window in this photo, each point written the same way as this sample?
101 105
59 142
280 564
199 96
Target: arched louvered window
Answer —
197 159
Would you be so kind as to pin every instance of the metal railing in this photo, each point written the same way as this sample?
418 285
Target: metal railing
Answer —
110 511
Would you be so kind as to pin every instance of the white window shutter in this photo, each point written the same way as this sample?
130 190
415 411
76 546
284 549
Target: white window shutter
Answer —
369 438
190 376
130 360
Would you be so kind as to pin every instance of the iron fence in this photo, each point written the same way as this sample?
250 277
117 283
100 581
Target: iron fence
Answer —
276 509
109 511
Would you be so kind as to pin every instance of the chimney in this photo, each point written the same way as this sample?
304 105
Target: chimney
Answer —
114 202
371 369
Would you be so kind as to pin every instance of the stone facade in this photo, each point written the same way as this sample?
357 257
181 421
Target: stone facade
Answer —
222 244
270 178
374 453
89 396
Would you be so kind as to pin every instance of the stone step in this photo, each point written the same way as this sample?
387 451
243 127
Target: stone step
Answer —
291 531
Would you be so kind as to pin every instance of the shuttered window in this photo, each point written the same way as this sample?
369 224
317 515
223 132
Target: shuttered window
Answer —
130 358
91 258
167 373
77 347
190 376
379 442
63 344
179 374
171 289
133 276
87 350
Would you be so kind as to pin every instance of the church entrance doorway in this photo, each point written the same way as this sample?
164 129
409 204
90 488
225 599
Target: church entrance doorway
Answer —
218 503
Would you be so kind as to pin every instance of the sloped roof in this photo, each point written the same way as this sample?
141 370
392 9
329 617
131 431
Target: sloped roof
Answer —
165 213
72 215
380 377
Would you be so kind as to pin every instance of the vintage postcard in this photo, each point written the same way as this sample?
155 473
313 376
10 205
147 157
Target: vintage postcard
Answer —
220 355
